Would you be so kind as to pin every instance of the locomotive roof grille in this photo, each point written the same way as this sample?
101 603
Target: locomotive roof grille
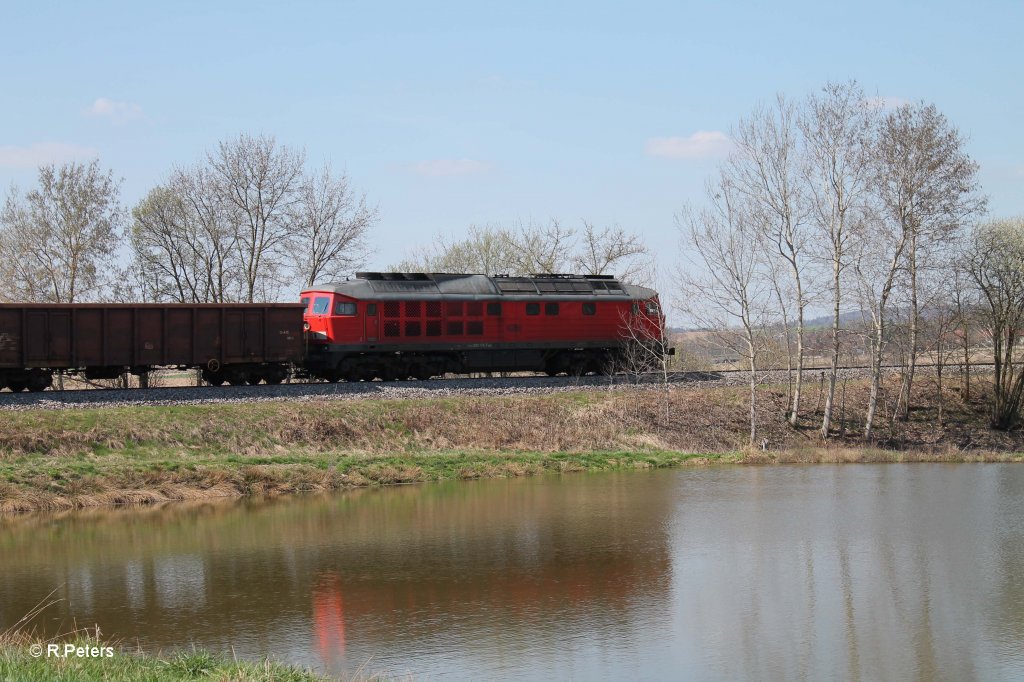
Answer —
445 285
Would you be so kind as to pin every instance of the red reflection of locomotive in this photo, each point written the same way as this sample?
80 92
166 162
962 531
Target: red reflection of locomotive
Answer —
399 325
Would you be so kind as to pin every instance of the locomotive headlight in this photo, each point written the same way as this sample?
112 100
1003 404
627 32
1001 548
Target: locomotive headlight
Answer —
305 326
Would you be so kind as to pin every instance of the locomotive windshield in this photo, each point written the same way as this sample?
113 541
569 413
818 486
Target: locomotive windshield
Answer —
321 304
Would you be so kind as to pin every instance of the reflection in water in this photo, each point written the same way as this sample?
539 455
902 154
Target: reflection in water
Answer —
841 572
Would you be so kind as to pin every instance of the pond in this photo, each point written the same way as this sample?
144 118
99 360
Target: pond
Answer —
852 572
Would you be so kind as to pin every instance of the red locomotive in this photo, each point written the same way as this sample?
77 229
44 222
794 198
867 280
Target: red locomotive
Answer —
400 325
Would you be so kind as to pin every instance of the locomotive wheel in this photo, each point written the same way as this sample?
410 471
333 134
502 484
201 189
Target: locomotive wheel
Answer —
253 379
273 380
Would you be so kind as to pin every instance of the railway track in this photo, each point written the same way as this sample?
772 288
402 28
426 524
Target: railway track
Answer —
192 395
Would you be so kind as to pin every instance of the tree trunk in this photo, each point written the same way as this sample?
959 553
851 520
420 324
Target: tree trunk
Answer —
753 397
908 378
799 356
876 377
826 420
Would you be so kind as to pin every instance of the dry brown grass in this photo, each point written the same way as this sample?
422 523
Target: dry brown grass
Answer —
146 456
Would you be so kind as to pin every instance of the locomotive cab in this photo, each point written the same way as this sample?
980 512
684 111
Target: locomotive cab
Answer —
332 318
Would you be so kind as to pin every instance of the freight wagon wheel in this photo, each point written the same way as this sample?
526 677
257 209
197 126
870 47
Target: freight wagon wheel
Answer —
253 379
213 378
274 379
39 381
17 386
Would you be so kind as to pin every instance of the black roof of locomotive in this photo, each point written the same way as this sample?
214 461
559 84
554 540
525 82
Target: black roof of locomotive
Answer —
442 285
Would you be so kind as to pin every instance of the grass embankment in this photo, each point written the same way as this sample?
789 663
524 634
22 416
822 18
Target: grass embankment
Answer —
18 663
76 458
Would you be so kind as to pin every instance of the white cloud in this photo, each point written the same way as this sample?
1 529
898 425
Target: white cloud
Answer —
443 167
886 103
42 153
703 144
119 112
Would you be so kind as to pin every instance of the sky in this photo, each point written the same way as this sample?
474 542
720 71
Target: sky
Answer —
457 113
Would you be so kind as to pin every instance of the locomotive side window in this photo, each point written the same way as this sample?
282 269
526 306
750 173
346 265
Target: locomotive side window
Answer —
533 308
345 308
652 308
494 309
305 302
321 304
550 308
590 309
371 309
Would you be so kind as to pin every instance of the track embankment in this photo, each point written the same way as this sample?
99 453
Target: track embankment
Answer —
65 459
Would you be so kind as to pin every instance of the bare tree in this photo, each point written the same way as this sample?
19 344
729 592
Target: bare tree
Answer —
58 242
927 186
539 248
879 257
330 226
995 261
964 299
259 180
483 250
837 129
725 291
525 249
611 250
766 168
183 242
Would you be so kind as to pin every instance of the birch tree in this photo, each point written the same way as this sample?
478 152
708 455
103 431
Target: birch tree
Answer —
724 290
927 187
766 168
837 127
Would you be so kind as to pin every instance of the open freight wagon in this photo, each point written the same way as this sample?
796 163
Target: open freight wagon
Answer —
234 343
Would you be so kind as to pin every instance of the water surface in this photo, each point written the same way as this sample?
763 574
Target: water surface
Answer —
847 572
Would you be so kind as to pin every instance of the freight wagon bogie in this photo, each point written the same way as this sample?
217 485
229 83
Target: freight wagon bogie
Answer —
33 380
